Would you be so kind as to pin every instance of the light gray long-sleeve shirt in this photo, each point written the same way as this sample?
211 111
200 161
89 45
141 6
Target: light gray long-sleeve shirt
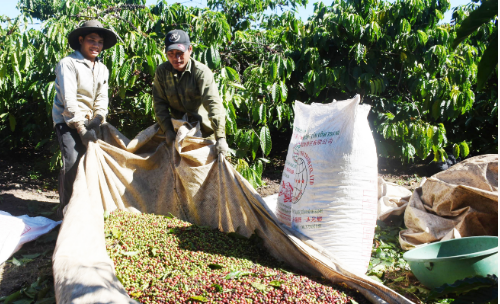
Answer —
81 91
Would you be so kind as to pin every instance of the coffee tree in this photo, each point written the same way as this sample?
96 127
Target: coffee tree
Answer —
394 54
237 54
400 60
478 32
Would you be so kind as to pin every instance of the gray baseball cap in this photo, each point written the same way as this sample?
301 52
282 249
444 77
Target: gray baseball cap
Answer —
177 40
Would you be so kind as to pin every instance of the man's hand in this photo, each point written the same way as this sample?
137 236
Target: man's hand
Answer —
221 146
170 137
95 122
85 135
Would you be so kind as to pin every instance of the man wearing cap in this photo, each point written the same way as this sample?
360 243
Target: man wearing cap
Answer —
81 102
184 86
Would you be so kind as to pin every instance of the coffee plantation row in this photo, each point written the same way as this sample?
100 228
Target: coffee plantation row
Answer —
396 55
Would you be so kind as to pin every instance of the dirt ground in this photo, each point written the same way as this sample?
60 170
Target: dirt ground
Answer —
23 190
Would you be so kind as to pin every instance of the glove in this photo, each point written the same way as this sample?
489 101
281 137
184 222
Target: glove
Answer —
170 137
85 135
95 122
221 146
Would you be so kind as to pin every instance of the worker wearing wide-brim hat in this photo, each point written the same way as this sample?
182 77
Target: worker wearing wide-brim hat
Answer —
81 102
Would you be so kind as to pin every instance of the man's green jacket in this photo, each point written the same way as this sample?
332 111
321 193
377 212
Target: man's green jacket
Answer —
194 92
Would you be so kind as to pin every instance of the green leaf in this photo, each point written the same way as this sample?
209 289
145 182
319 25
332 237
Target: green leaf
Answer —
373 30
214 266
259 286
120 56
430 132
290 65
217 287
244 139
125 72
422 37
214 57
198 299
31 256
276 284
15 65
258 167
284 91
488 63
122 92
151 65
237 85
274 71
376 279
12 122
233 75
443 155
437 137
15 261
464 286
279 111
136 294
237 274
255 145
116 233
295 26
485 13
456 150
3 71
274 91
12 297
464 149
404 26
409 151
486 295
436 110
262 114
265 140
359 52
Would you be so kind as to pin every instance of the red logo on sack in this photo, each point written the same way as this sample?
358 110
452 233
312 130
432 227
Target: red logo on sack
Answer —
26 230
286 191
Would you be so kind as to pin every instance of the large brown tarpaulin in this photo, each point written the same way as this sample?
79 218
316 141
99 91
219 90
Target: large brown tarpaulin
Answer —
459 202
188 180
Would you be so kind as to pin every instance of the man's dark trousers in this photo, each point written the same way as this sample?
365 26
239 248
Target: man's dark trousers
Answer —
72 149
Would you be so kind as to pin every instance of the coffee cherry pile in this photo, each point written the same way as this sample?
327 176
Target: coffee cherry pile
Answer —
162 259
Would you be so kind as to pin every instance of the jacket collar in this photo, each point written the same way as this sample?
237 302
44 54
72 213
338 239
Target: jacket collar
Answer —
188 67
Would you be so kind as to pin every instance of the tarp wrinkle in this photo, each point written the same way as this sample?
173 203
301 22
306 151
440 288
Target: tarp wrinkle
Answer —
459 202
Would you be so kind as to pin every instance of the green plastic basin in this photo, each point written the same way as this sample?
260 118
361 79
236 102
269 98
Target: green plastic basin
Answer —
445 262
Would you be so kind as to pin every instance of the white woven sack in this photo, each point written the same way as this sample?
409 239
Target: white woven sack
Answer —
329 185
17 230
